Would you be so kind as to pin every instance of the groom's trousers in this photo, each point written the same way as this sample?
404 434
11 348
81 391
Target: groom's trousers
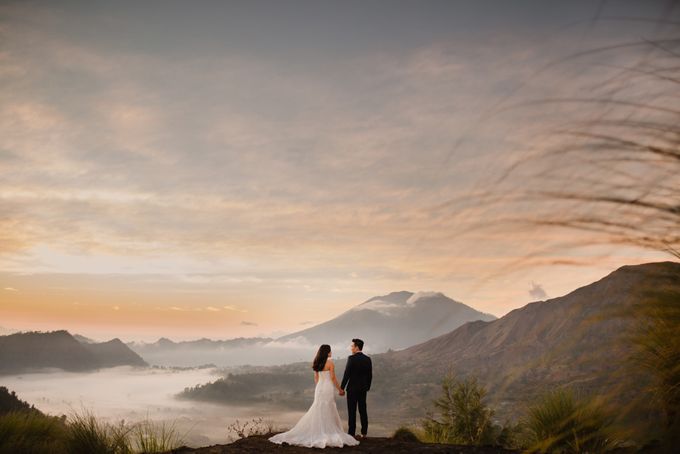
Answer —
354 399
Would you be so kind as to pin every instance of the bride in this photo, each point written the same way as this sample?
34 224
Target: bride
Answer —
321 425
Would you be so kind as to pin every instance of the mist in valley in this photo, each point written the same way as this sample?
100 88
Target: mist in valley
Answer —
135 394
265 353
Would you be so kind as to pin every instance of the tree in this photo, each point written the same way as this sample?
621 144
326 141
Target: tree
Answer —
463 416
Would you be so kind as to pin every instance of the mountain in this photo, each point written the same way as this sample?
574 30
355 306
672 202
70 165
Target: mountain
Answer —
393 321
83 339
164 343
114 353
578 339
31 351
205 351
396 320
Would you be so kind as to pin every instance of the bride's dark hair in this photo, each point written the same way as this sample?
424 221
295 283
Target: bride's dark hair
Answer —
321 357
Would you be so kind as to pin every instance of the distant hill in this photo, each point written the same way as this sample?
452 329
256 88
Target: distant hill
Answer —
114 353
83 339
241 350
393 321
576 339
164 343
32 351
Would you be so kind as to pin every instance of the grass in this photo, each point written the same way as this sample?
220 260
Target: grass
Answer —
87 434
560 422
657 351
154 437
32 432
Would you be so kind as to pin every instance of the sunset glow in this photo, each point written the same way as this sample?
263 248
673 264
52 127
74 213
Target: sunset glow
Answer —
217 173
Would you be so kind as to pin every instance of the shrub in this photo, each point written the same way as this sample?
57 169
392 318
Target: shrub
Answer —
255 426
463 417
562 423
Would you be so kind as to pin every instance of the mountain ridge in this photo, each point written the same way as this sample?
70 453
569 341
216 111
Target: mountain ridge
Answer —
578 339
34 350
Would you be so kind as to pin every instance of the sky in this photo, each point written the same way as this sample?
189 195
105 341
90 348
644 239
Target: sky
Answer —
226 169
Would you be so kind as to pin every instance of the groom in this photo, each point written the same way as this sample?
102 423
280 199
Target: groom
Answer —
358 372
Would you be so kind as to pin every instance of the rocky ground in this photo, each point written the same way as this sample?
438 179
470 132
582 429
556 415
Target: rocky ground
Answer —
259 443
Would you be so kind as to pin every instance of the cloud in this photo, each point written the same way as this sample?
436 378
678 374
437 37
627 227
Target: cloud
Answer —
536 292
295 169
11 289
245 323
299 342
384 307
343 171
418 295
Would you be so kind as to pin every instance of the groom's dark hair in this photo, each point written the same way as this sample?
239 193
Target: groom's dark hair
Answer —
359 343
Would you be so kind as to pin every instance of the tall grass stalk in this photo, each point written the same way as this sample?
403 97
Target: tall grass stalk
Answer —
31 432
155 437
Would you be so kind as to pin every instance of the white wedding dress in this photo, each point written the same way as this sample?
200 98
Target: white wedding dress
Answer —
321 425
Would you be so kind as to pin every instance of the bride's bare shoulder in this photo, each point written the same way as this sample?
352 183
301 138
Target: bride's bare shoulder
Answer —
329 364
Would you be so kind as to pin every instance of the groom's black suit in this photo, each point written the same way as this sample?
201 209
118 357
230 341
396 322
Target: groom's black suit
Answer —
357 378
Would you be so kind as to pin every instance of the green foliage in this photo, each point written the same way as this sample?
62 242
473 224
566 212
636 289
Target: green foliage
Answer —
31 432
562 423
657 351
463 417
